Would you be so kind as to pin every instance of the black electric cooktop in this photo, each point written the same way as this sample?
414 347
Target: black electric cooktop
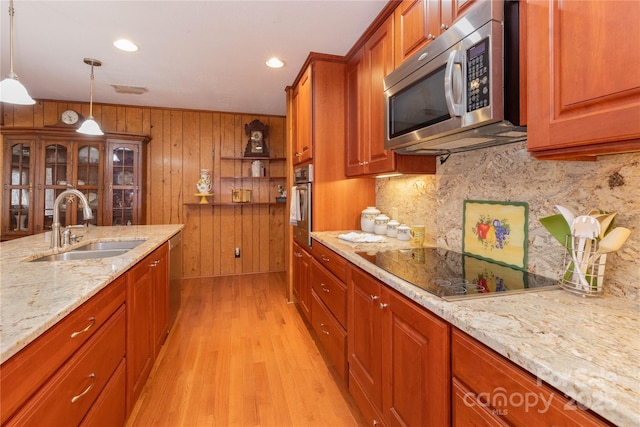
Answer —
454 276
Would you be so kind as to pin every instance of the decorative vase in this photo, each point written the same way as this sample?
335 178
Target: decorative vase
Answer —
204 183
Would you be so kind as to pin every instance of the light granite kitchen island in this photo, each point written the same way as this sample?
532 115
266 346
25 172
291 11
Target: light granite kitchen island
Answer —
36 295
588 349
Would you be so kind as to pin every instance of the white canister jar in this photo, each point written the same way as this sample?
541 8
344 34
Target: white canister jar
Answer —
367 219
392 228
380 226
404 232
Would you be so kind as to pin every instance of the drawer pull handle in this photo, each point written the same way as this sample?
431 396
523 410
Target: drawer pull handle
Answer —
324 287
86 390
383 305
324 331
373 297
324 258
92 321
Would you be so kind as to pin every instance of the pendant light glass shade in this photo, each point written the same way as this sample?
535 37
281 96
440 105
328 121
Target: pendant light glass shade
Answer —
11 90
89 126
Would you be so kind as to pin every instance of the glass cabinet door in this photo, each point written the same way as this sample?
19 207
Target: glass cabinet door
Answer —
18 194
124 184
89 180
57 174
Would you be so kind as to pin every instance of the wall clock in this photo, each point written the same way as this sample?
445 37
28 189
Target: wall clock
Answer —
257 143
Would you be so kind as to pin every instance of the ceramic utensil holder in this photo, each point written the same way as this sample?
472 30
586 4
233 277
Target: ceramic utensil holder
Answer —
583 268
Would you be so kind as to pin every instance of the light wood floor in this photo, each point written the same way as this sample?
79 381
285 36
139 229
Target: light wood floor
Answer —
239 355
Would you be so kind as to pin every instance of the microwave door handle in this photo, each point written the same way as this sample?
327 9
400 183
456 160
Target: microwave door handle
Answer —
453 84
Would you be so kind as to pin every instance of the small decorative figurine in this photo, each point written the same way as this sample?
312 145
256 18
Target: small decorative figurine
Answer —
203 186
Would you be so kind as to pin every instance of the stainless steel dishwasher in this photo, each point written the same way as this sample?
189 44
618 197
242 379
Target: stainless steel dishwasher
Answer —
175 276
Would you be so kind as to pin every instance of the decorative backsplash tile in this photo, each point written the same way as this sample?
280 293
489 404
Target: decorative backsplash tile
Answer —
510 173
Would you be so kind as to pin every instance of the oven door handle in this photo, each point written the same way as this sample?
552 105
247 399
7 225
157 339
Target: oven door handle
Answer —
453 83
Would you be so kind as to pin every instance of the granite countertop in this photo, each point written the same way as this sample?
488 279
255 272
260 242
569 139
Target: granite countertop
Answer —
587 348
36 295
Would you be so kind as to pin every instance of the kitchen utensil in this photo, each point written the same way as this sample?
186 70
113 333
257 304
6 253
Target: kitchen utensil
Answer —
584 229
566 213
605 220
611 242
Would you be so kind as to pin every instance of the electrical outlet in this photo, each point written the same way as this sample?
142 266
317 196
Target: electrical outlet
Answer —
237 252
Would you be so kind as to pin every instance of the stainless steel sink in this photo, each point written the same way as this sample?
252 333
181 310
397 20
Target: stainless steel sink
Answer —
101 246
83 254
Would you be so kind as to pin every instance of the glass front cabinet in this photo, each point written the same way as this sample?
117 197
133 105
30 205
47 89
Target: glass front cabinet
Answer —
39 164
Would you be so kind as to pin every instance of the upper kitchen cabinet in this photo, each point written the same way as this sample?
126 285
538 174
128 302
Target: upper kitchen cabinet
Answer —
40 163
419 22
365 73
583 91
302 99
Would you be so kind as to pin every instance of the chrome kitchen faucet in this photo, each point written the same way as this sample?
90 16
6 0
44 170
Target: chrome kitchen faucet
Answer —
55 228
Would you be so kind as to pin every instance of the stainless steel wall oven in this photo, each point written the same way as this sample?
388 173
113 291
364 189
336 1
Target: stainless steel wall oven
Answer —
303 177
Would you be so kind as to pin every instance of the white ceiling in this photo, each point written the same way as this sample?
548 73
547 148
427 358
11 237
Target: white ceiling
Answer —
206 54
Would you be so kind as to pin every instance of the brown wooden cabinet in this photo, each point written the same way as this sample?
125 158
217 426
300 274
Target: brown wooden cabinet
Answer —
329 305
39 164
583 97
40 381
399 371
490 390
365 73
301 279
303 118
140 338
160 280
419 22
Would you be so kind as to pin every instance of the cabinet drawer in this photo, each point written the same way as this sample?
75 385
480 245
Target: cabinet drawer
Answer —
26 371
109 408
328 258
67 397
330 290
502 383
330 334
468 411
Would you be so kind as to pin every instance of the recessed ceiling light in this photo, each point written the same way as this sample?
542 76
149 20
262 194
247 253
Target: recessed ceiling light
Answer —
126 45
275 63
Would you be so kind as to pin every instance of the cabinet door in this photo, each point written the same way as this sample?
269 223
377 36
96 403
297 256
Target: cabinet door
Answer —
124 178
584 99
355 111
302 279
415 359
417 23
18 176
55 172
364 333
379 59
140 344
89 178
304 116
160 278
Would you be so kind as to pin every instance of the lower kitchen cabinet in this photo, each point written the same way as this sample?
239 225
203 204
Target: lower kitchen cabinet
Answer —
160 279
329 305
147 318
54 365
109 409
399 371
67 397
301 279
489 390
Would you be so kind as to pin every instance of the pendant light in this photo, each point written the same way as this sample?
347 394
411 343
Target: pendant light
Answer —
89 126
11 90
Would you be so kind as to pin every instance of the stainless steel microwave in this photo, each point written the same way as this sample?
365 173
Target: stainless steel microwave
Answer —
461 91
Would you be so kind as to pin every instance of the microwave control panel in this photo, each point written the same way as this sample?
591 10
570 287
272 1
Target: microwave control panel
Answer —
478 72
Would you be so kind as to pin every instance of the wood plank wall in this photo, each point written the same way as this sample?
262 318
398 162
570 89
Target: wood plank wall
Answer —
183 142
